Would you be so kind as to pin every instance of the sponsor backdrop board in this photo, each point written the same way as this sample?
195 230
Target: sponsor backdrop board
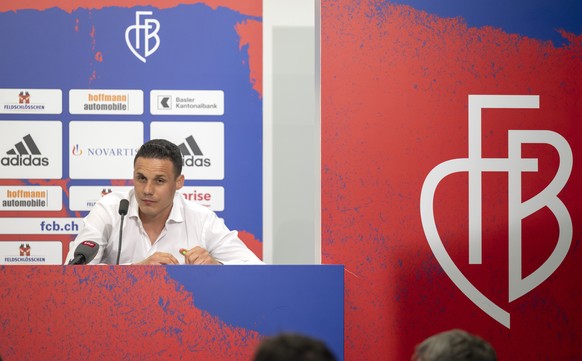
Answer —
451 178
81 88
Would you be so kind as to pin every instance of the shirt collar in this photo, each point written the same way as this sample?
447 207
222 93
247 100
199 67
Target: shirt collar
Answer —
177 214
133 208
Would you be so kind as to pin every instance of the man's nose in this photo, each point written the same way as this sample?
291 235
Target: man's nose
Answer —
149 187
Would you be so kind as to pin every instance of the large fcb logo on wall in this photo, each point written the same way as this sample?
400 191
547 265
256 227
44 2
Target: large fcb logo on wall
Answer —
450 183
518 209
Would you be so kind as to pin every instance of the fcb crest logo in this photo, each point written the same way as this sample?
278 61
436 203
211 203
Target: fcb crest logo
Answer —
514 165
142 37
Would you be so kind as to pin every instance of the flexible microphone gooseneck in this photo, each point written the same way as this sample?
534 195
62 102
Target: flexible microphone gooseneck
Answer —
84 253
123 207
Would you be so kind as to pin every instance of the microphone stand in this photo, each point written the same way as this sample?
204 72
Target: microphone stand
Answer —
123 205
120 233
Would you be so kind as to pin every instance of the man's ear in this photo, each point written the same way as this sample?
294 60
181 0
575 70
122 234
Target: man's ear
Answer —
180 182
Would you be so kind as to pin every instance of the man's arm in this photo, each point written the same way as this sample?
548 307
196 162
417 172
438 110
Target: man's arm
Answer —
224 245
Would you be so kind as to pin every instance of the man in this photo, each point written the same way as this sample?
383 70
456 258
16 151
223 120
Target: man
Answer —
454 345
292 347
161 227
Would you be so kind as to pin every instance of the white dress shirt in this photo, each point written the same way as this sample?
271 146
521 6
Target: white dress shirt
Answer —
189 224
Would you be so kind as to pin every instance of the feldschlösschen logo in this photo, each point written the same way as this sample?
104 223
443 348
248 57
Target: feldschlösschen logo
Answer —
514 165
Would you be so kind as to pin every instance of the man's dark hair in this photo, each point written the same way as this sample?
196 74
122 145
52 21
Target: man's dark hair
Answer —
454 345
161 149
293 347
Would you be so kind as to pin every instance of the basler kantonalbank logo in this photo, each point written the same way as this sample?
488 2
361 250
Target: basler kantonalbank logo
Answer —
514 165
145 40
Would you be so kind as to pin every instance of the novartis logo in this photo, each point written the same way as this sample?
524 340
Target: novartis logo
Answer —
514 165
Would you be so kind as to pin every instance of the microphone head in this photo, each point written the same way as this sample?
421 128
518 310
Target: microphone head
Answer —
88 250
123 207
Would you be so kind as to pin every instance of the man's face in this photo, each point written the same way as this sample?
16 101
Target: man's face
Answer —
155 184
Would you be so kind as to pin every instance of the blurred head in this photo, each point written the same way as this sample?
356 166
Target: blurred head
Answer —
454 345
292 347
157 169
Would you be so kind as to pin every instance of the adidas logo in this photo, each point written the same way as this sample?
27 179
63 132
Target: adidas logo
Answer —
193 146
25 153
191 154
22 150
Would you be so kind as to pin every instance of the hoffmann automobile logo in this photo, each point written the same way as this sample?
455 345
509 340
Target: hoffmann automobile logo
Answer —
514 165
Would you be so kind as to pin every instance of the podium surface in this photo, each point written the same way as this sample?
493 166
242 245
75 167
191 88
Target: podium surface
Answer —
164 312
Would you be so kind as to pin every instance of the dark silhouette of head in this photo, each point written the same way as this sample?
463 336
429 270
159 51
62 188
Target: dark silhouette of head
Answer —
293 347
454 345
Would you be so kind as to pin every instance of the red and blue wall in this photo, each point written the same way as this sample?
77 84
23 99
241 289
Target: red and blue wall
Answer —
404 83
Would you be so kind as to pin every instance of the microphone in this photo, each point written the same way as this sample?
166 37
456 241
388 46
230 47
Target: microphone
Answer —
123 207
85 253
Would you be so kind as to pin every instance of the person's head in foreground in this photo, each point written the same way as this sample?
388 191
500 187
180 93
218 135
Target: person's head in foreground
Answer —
454 345
293 347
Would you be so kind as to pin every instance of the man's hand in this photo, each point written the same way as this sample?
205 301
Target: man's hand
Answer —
198 255
159 258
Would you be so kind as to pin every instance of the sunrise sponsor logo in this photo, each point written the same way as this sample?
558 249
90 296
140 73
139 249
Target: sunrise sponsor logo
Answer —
211 197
